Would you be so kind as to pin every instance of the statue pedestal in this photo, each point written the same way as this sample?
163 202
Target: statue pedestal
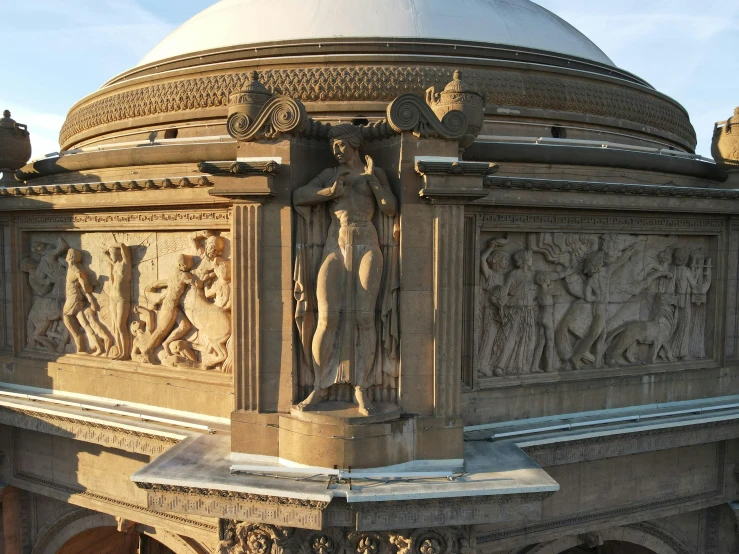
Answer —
337 435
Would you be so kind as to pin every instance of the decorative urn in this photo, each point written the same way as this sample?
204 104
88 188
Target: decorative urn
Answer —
458 95
245 105
15 144
725 145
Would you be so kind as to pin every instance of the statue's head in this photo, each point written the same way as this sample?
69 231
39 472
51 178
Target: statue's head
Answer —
39 248
115 253
214 246
498 260
523 258
223 270
184 262
681 255
345 139
74 256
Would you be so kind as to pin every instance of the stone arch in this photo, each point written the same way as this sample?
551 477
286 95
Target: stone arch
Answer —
657 537
55 533
175 543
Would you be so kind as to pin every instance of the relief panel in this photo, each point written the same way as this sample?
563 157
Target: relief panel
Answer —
152 297
547 302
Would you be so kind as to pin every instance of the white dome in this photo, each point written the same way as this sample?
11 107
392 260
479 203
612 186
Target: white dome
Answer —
231 23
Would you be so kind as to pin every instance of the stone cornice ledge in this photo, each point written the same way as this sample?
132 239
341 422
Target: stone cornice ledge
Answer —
672 191
430 166
449 181
241 168
108 186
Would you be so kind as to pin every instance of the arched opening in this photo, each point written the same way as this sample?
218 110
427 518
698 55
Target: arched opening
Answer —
610 547
108 540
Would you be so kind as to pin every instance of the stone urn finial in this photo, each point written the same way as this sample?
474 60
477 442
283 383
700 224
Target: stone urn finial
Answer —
245 105
725 145
460 96
15 147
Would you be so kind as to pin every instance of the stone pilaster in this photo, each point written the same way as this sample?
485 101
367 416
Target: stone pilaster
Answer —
248 193
448 298
246 274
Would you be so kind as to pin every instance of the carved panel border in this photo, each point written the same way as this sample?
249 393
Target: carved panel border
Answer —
715 492
121 221
714 228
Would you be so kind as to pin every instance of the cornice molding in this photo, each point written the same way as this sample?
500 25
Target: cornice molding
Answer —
550 185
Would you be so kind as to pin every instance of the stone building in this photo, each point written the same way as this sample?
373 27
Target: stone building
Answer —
371 277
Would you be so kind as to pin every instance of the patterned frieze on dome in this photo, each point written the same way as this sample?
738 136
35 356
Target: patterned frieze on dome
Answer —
383 84
561 301
160 298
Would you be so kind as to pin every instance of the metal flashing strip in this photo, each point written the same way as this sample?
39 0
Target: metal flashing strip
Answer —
92 420
141 412
590 425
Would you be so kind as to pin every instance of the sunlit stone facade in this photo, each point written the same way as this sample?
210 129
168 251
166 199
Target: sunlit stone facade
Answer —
314 290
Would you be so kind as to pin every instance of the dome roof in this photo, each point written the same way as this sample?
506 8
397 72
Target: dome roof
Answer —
231 23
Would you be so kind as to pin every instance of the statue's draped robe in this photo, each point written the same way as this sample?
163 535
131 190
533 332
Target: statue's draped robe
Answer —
312 226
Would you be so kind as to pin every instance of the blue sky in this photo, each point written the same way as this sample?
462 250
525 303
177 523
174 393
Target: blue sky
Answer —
61 51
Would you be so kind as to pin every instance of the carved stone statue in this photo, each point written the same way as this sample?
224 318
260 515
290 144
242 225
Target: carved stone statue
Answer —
119 262
80 308
350 343
46 277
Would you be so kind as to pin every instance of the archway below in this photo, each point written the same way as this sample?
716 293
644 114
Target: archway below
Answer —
108 540
610 547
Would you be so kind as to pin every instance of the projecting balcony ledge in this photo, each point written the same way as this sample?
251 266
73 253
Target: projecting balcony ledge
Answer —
496 482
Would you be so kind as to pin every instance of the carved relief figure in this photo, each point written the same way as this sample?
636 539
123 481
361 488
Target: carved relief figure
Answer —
691 284
356 268
515 343
141 333
493 264
701 264
597 288
213 324
119 262
80 308
210 247
656 331
166 317
46 276
545 298
220 289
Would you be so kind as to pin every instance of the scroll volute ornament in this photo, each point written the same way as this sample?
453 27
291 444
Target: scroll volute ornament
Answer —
255 113
725 145
459 96
15 143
